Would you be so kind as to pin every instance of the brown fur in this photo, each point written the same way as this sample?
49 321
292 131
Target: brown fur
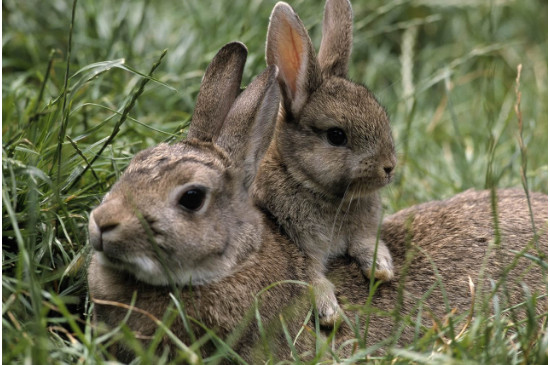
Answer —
237 252
448 239
147 241
223 306
449 242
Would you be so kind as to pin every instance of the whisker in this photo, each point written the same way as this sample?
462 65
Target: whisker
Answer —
337 211
345 214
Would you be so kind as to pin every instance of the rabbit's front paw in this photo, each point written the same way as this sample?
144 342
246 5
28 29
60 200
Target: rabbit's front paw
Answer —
329 310
384 267
327 304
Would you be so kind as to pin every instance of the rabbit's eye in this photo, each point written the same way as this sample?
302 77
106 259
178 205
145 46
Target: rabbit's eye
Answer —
336 137
192 199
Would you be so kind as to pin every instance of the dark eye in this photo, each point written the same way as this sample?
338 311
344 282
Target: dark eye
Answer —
192 199
336 137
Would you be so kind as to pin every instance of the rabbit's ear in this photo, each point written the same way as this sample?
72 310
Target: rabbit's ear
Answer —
248 128
290 49
337 38
219 88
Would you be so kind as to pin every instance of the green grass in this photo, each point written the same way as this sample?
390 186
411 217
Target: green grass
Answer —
77 104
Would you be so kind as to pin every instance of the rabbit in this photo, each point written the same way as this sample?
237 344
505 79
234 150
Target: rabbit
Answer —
181 217
437 247
331 154
130 279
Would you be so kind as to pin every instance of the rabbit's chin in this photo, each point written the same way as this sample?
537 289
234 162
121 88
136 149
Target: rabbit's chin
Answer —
151 272
142 268
362 187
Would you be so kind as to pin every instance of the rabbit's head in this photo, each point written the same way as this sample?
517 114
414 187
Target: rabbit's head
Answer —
180 214
333 133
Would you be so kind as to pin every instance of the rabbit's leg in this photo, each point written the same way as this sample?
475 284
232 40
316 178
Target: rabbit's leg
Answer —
325 299
363 251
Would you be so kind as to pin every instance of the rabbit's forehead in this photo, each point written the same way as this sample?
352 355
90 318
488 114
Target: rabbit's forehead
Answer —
175 165
343 104
164 157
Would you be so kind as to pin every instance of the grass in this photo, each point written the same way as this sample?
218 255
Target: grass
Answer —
85 86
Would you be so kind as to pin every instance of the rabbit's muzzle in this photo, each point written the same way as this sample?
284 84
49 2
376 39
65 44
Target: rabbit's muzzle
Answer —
120 242
374 174
107 226
95 233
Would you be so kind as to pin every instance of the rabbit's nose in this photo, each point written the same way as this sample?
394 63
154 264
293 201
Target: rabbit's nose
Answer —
389 165
100 224
95 234
388 168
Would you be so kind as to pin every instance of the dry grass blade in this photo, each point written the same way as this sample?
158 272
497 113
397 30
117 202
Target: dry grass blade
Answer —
192 358
472 308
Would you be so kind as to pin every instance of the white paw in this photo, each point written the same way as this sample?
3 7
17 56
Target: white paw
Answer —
327 307
384 268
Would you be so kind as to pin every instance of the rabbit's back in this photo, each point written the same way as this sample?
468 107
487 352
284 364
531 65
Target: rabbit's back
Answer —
442 244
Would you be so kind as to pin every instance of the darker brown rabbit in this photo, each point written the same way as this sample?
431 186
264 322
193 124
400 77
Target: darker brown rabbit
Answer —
332 152
185 210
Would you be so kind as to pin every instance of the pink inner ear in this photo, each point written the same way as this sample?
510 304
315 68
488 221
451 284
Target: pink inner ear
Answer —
291 48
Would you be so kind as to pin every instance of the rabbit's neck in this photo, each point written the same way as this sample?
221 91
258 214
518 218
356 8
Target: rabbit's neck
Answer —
300 211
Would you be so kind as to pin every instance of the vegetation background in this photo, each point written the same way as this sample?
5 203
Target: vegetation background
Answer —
77 104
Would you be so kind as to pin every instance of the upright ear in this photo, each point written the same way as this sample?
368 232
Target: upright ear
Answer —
248 128
219 88
337 38
289 48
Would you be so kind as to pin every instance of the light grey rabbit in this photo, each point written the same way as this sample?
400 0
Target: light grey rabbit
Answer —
332 152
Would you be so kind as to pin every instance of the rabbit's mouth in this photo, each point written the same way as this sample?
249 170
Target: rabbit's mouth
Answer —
158 273
112 262
142 268
115 262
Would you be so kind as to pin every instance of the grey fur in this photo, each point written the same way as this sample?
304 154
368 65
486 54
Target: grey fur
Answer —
325 197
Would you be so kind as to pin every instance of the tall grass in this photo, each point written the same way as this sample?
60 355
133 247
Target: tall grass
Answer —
86 85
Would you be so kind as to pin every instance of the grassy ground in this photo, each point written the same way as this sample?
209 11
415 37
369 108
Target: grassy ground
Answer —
77 104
